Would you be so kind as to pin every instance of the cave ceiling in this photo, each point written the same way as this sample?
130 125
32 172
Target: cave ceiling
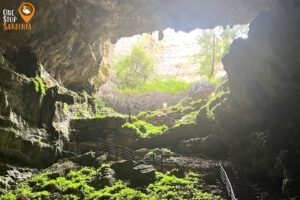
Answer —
67 36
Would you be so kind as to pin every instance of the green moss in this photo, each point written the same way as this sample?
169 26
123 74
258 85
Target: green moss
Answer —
41 179
39 85
41 195
141 114
190 116
107 112
9 196
42 85
79 183
196 102
36 84
209 109
99 116
183 123
166 150
151 114
145 129
105 165
86 95
179 107
65 106
40 141
171 187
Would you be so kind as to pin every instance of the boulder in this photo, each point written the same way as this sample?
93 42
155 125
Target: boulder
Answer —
179 173
142 175
123 169
106 177
87 159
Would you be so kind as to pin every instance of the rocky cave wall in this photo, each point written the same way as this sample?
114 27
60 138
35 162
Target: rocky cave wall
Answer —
259 122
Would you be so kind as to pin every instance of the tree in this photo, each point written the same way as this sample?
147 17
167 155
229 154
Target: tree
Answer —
214 45
133 70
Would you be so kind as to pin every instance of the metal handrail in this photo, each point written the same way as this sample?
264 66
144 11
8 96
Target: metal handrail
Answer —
127 153
110 147
226 182
186 155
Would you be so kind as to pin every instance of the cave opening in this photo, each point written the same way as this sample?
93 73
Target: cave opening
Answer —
153 71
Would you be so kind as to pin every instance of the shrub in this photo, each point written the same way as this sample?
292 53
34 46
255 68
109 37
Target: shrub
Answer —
132 70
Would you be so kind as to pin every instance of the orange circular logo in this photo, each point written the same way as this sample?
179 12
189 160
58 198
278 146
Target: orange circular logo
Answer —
26 11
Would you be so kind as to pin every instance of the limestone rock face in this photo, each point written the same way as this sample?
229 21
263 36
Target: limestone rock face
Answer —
260 118
85 133
68 36
209 146
27 134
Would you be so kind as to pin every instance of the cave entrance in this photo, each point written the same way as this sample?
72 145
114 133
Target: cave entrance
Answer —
156 70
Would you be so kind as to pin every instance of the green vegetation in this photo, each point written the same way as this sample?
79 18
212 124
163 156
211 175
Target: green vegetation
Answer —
191 116
147 114
167 85
196 102
171 187
135 73
214 45
151 114
208 106
216 81
183 123
119 191
80 185
184 104
145 129
133 70
65 106
39 85
99 104
110 112
105 112
40 141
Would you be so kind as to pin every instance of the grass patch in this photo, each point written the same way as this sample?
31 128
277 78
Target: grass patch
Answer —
169 85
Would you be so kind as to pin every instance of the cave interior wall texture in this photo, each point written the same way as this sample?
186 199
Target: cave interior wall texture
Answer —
259 120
